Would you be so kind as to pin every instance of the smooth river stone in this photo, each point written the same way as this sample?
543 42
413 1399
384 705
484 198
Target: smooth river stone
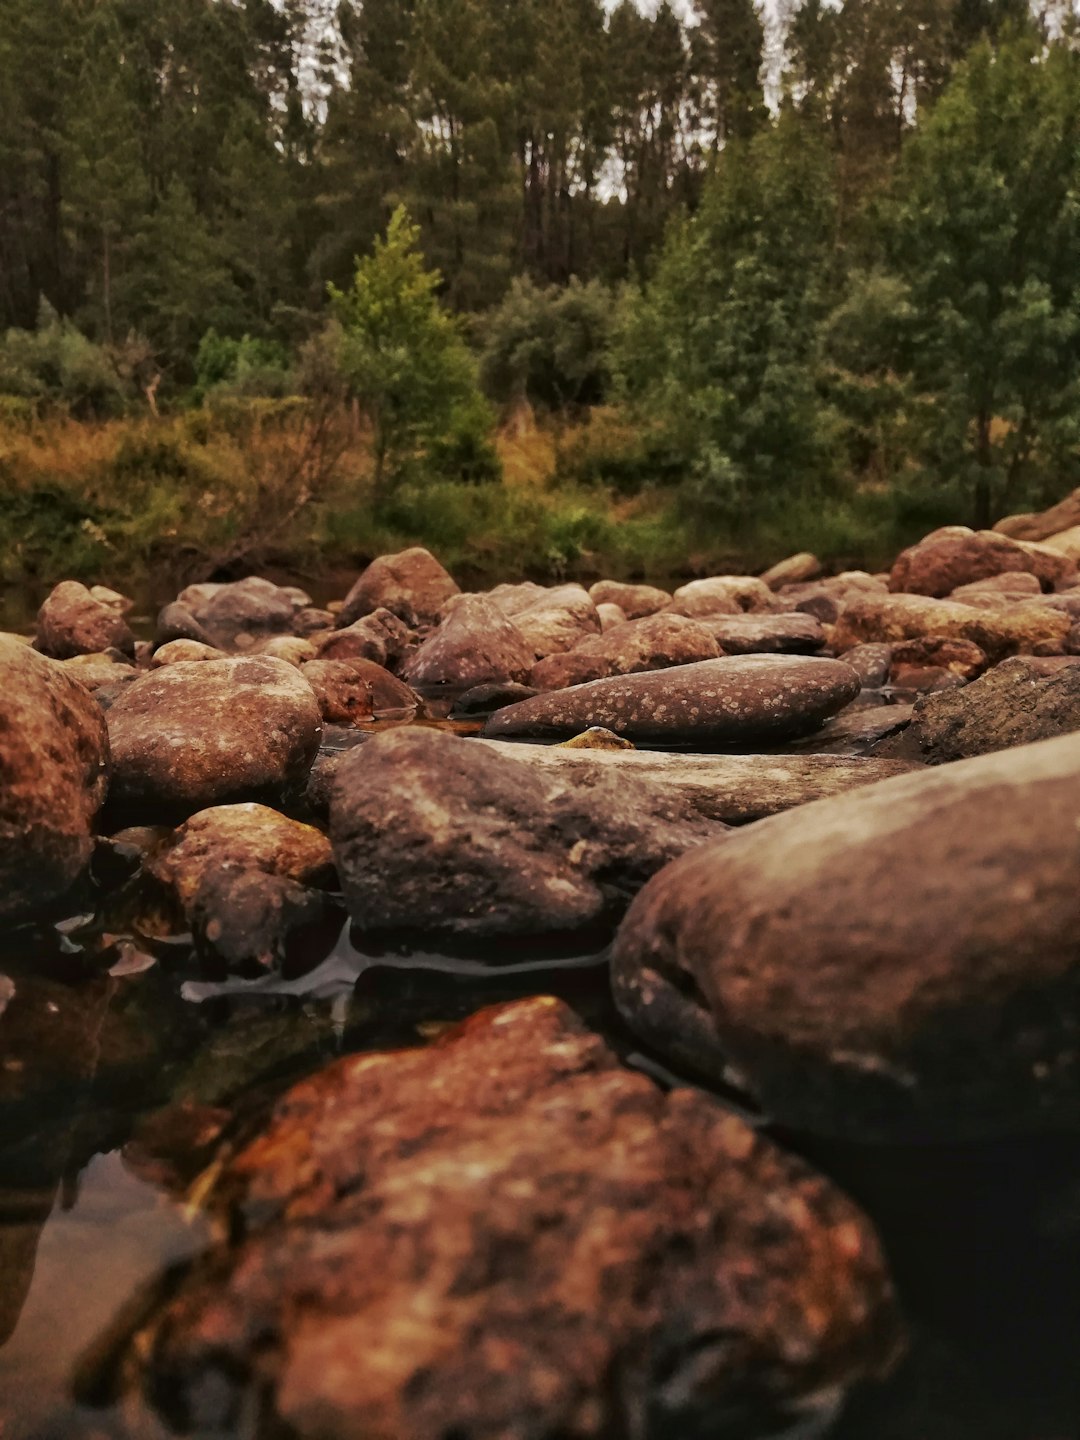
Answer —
740 700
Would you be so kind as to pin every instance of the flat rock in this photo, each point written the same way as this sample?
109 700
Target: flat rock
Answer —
436 836
1046 524
795 634
1019 701
956 556
739 701
656 642
898 964
54 757
507 1234
72 621
211 732
411 585
476 644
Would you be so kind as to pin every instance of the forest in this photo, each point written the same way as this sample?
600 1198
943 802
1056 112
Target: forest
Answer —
551 285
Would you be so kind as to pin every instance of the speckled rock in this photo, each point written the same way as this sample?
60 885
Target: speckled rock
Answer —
723 595
54 756
739 701
351 690
656 642
445 839
635 601
1019 701
897 964
956 556
475 645
193 735
567 1251
795 634
411 585
871 664
72 622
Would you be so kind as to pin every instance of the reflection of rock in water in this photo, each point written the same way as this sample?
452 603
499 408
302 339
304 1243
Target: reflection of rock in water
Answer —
21 1224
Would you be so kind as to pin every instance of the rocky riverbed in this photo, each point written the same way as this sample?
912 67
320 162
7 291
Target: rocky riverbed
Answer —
549 1012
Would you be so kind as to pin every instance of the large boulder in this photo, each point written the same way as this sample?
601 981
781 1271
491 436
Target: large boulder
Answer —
1025 629
635 601
1019 701
746 700
956 556
436 836
54 755
656 642
211 732
508 1234
412 585
898 964
72 621
476 644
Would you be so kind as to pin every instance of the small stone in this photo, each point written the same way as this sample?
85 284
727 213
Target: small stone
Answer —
596 738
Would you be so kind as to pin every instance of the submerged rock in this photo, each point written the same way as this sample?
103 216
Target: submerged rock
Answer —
1019 701
73 622
897 964
411 585
740 701
54 756
198 734
509 1235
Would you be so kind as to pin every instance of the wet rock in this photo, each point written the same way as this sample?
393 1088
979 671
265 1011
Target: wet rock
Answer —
436 836
935 664
509 1235
249 923
956 556
1019 701
237 615
722 595
72 622
870 663
181 652
194 735
610 616
657 642
484 700
898 964
795 570
1018 630
635 601
739 701
176 622
380 637
796 634
475 645
54 756
337 742
411 585
352 690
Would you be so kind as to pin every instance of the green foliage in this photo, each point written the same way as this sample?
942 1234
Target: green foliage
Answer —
247 366
57 365
407 363
549 345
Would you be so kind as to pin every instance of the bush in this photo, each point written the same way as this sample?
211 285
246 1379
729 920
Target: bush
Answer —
549 345
246 367
57 365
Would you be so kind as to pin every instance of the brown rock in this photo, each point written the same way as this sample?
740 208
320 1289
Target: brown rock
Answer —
610 616
922 664
176 622
351 690
194 735
635 601
956 556
897 964
380 637
293 649
182 652
558 672
95 671
72 622
1018 630
412 585
722 595
509 1235
551 621
655 643
1019 701
795 634
54 757
1046 524
797 569
740 701
1010 585
870 663
475 645
236 616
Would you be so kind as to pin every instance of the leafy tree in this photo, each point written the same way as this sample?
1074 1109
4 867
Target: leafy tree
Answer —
406 360
984 231
549 345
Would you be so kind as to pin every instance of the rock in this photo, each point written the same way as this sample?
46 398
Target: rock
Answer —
734 789
380 637
411 585
795 634
184 652
54 757
1045 525
956 556
932 664
1010 585
309 621
1066 542
551 621
293 649
351 690
1019 630
1019 701
337 742
657 642
475 645
871 664
238 615
507 1234
825 599
899 964
610 616
176 622
113 599
251 923
741 701
443 838
249 882
484 700
635 601
194 735
72 622
722 595
858 729
596 739
797 569
96 671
